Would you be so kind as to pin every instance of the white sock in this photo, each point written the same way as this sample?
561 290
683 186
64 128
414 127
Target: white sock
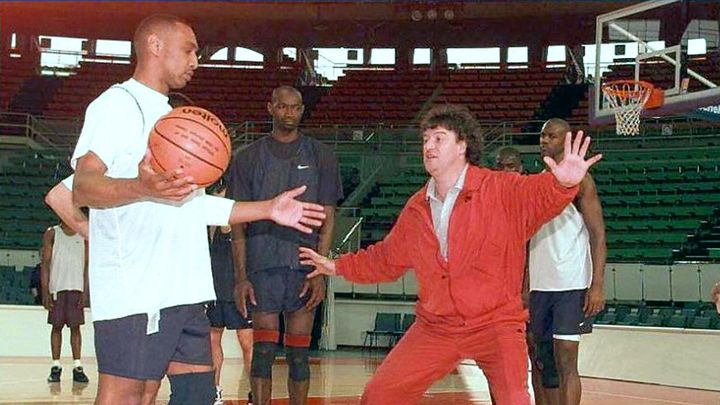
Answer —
77 363
56 363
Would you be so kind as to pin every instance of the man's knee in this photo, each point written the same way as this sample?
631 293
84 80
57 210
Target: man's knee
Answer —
566 357
192 388
297 356
264 350
545 361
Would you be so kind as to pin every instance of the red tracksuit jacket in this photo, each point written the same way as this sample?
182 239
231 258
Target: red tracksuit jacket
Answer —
494 216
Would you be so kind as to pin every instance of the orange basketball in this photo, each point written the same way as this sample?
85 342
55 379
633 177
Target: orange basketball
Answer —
193 139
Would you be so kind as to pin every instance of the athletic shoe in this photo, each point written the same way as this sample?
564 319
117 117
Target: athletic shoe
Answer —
54 376
79 375
218 397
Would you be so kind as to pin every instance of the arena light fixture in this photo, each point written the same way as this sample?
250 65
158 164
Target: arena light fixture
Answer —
416 15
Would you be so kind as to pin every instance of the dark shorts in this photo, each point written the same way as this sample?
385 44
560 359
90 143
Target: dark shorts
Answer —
66 311
558 313
224 314
278 289
124 348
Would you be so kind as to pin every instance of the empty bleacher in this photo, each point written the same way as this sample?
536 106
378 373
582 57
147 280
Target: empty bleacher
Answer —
398 97
25 178
510 95
373 96
234 94
13 73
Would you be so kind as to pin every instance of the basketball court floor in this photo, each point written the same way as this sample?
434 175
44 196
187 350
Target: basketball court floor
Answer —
338 378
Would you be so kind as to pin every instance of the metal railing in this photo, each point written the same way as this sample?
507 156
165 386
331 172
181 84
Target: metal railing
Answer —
62 132
43 132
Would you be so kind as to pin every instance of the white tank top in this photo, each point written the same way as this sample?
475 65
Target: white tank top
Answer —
560 257
67 262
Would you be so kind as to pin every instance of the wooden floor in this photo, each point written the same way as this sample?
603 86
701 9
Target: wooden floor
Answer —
337 379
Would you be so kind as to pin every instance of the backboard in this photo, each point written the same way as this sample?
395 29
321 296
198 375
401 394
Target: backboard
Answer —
672 44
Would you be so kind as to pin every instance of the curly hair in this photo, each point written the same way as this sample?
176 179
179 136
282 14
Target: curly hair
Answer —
459 119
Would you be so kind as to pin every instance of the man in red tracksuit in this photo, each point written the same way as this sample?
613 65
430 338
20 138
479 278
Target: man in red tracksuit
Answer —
464 234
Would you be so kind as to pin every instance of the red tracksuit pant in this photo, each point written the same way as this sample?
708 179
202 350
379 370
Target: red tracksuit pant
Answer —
426 354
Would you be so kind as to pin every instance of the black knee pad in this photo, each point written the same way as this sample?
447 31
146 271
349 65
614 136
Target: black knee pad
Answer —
192 388
263 359
545 360
297 360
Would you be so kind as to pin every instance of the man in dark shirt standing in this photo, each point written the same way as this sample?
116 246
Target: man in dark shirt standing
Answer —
267 267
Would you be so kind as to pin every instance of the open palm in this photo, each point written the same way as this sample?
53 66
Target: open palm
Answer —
573 167
286 210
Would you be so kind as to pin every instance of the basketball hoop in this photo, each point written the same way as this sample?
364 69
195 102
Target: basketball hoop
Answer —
628 98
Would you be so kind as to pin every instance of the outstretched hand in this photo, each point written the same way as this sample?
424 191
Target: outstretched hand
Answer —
286 210
322 264
573 167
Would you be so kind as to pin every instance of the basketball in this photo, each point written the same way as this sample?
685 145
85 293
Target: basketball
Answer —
192 139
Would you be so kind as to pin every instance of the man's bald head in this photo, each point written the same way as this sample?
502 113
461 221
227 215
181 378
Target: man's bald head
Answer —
279 91
159 25
556 125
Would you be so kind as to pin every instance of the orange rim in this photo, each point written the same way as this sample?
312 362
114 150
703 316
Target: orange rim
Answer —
615 88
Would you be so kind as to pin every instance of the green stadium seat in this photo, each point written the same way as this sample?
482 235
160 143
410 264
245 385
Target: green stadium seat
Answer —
677 321
700 322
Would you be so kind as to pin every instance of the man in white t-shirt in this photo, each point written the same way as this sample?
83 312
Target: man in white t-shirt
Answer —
566 268
149 260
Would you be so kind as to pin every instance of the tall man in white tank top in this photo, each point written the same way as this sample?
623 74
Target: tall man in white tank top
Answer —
566 264
64 281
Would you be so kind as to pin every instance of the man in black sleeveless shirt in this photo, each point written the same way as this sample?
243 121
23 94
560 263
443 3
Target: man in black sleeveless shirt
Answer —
268 272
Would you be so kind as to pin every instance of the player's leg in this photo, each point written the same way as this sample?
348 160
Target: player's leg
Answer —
422 357
568 324
566 356
217 357
245 339
298 331
501 351
217 327
269 287
244 333
545 378
190 369
298 327
76 318
57 319
266 336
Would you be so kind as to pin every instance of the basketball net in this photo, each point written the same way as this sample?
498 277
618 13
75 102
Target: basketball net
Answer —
627 98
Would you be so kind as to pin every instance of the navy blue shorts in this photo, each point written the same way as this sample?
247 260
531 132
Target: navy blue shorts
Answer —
124 349
224 314
558 313
278 289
